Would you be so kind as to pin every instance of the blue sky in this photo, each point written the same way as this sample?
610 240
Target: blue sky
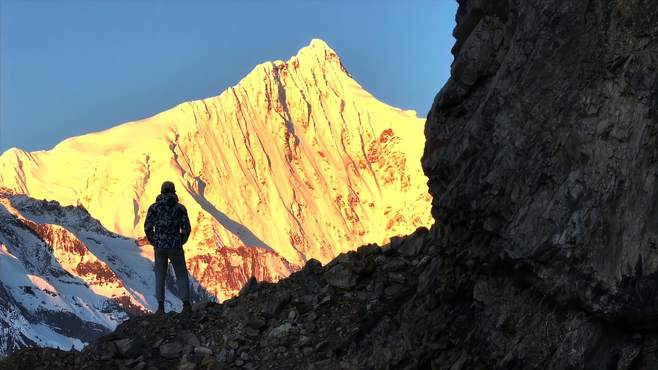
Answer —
70 67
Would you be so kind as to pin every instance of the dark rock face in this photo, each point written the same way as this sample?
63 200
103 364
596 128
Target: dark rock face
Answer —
541 155
543 145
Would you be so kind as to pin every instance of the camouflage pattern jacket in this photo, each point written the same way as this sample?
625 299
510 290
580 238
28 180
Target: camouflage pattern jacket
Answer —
167 224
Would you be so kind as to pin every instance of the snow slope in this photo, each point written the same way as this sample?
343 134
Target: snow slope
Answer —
64 279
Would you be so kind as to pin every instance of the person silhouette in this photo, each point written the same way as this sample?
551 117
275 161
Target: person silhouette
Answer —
167 228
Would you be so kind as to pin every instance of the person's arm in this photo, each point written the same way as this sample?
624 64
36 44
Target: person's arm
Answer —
149 225
185 228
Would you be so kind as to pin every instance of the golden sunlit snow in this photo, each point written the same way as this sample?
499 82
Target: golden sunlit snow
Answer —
296 161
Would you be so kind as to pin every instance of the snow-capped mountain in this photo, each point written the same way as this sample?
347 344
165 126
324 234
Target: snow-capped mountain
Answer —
296 161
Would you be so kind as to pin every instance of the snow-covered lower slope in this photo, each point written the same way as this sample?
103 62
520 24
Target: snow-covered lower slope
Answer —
296 161
64 279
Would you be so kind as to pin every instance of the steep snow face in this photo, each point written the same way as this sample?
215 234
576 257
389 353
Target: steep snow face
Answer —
296 161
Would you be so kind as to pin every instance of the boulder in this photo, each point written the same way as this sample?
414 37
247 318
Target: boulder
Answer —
340 276
281 330
273 304
250 286
256 322
171 350
128 347
203 350
189 338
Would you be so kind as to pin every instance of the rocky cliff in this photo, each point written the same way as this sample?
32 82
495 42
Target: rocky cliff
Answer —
541 154
541 157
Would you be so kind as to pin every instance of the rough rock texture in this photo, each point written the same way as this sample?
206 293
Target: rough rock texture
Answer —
304 321
541 154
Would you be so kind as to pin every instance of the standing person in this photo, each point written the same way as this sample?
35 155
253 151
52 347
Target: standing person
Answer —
167 228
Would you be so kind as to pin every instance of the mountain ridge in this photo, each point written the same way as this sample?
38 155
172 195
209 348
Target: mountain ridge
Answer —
295 162
305 117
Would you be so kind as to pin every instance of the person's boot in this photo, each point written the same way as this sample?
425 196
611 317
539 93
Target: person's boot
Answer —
160 310
187 307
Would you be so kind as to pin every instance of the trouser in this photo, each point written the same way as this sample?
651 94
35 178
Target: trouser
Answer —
177 258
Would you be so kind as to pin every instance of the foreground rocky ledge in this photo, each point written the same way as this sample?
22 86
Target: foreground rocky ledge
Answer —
372 308
416 303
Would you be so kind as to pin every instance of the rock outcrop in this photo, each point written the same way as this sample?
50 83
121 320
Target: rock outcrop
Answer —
541 157
368 309
541 153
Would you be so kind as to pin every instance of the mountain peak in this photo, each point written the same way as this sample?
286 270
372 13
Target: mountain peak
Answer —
319 44
297 157
318 52
316 46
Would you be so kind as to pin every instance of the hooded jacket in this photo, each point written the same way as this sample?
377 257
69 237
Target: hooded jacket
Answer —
167 224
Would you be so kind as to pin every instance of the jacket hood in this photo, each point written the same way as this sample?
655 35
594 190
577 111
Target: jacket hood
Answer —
167 198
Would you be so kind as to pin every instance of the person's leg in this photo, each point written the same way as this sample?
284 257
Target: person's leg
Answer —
160 267
177 257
